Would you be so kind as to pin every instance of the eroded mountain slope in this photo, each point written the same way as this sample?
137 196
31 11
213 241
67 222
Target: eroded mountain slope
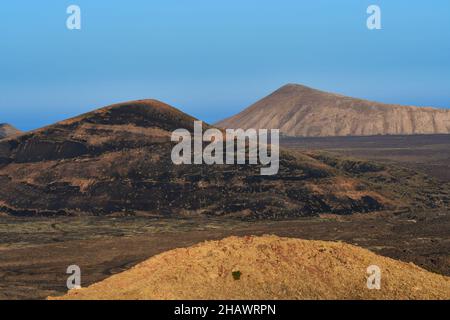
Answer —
301 111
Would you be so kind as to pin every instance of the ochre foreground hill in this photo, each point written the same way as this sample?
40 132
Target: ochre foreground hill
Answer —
267 267
301 111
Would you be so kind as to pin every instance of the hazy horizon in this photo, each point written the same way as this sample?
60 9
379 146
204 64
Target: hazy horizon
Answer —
214 59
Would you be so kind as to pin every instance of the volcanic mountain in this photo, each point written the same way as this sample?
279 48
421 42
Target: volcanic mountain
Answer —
301 111
7 130
117 160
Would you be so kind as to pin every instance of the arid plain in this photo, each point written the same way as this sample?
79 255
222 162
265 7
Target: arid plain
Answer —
35 252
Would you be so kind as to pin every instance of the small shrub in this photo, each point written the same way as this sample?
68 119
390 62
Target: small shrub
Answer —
236 275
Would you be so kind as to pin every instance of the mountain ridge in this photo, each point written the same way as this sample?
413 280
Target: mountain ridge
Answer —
299 110
117 160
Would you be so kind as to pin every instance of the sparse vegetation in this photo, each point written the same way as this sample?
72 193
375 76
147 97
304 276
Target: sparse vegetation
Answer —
236 275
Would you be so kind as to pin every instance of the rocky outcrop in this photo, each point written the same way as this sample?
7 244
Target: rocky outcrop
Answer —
301 111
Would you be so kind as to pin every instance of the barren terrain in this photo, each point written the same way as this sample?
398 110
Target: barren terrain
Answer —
298 110
56 179
117 161
264 268
426 153
35 252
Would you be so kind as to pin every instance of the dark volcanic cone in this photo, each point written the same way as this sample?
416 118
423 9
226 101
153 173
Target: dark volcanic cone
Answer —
116 160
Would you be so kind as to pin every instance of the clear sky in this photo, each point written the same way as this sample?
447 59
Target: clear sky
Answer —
212 58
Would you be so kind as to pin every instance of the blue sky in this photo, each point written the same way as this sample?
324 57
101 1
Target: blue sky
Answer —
213 58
